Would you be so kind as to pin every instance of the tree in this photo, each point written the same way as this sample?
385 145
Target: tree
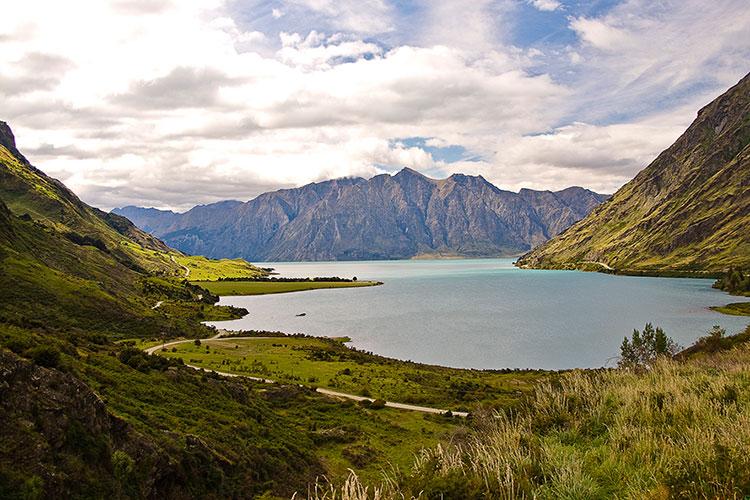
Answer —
644 348
197 342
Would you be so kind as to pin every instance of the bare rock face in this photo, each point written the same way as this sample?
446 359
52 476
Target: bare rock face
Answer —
386 217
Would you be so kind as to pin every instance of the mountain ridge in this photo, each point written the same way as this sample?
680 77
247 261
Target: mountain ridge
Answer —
687 210
387 216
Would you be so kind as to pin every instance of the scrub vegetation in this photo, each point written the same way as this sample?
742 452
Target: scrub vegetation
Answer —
679 429
328 363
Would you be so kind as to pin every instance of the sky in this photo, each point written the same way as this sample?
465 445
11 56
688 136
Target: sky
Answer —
174 103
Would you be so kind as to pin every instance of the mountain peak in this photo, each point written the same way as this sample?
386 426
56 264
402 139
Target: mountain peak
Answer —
6 136
8 140
406 171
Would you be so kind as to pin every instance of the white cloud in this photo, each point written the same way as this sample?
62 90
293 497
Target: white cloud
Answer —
359 16
600 33
179 103
545 5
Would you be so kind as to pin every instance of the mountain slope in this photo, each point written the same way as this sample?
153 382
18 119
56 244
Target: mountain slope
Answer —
688 210
86 416
30 193
398 216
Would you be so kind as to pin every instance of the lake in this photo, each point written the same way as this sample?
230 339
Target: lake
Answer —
485 313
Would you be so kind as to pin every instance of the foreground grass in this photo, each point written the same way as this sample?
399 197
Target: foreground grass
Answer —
203 269
267 287
330 364
736 309
679 430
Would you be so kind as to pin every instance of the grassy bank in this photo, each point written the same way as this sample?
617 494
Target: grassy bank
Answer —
678 430
330 364
735 309
267 287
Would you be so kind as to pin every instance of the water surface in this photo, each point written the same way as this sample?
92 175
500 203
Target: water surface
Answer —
485 313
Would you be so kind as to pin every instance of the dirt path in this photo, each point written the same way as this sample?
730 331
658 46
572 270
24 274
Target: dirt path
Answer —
605 266
186 268
325 392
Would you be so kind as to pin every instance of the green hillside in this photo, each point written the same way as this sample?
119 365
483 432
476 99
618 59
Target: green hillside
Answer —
86 414
688 210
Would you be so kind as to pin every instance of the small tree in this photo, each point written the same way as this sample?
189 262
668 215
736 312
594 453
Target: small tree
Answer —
197 342
644 348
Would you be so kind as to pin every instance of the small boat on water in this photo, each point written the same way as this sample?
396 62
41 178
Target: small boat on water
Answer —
301 314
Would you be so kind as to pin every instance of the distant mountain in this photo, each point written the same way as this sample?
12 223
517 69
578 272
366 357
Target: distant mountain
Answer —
386 217
689 209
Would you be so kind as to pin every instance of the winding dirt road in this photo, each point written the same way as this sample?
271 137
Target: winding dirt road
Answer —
325 392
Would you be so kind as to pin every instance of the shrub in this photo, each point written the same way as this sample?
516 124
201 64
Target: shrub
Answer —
378 404
45 355
645 348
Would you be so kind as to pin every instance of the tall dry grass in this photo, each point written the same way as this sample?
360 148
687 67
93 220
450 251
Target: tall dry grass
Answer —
678 430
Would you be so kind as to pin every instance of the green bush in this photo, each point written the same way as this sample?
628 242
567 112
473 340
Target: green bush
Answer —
45 355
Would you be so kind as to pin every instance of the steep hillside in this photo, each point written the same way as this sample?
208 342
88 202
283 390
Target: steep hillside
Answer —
87 416
31 194
688 210
400 216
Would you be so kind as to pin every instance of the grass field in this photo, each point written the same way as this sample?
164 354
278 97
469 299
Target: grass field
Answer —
266 287
736 309
203 269
368 441
330 364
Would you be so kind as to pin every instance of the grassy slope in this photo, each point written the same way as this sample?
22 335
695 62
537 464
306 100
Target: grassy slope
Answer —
186 434
267 287
688 210
203 269
679 430
330 364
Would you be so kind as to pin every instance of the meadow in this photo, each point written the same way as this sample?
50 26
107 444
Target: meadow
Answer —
267 287
198 268
328 363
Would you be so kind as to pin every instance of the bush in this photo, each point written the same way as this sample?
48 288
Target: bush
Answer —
645 348
734 281
45 355
378 404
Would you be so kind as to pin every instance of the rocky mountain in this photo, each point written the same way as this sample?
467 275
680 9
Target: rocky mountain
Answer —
688 210
399 216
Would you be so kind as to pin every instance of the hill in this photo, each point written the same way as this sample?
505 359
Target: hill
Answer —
387 217
84 413
688 210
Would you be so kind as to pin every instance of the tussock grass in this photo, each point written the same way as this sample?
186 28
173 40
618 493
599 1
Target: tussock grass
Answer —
678 430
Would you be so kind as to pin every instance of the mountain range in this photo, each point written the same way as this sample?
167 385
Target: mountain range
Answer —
688 210
386 217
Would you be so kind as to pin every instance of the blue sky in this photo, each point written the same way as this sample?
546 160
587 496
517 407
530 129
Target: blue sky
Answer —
172 103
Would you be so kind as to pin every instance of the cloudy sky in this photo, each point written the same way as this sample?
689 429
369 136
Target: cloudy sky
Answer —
175 103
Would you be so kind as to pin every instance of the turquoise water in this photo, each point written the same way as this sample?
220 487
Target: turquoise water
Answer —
486 313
